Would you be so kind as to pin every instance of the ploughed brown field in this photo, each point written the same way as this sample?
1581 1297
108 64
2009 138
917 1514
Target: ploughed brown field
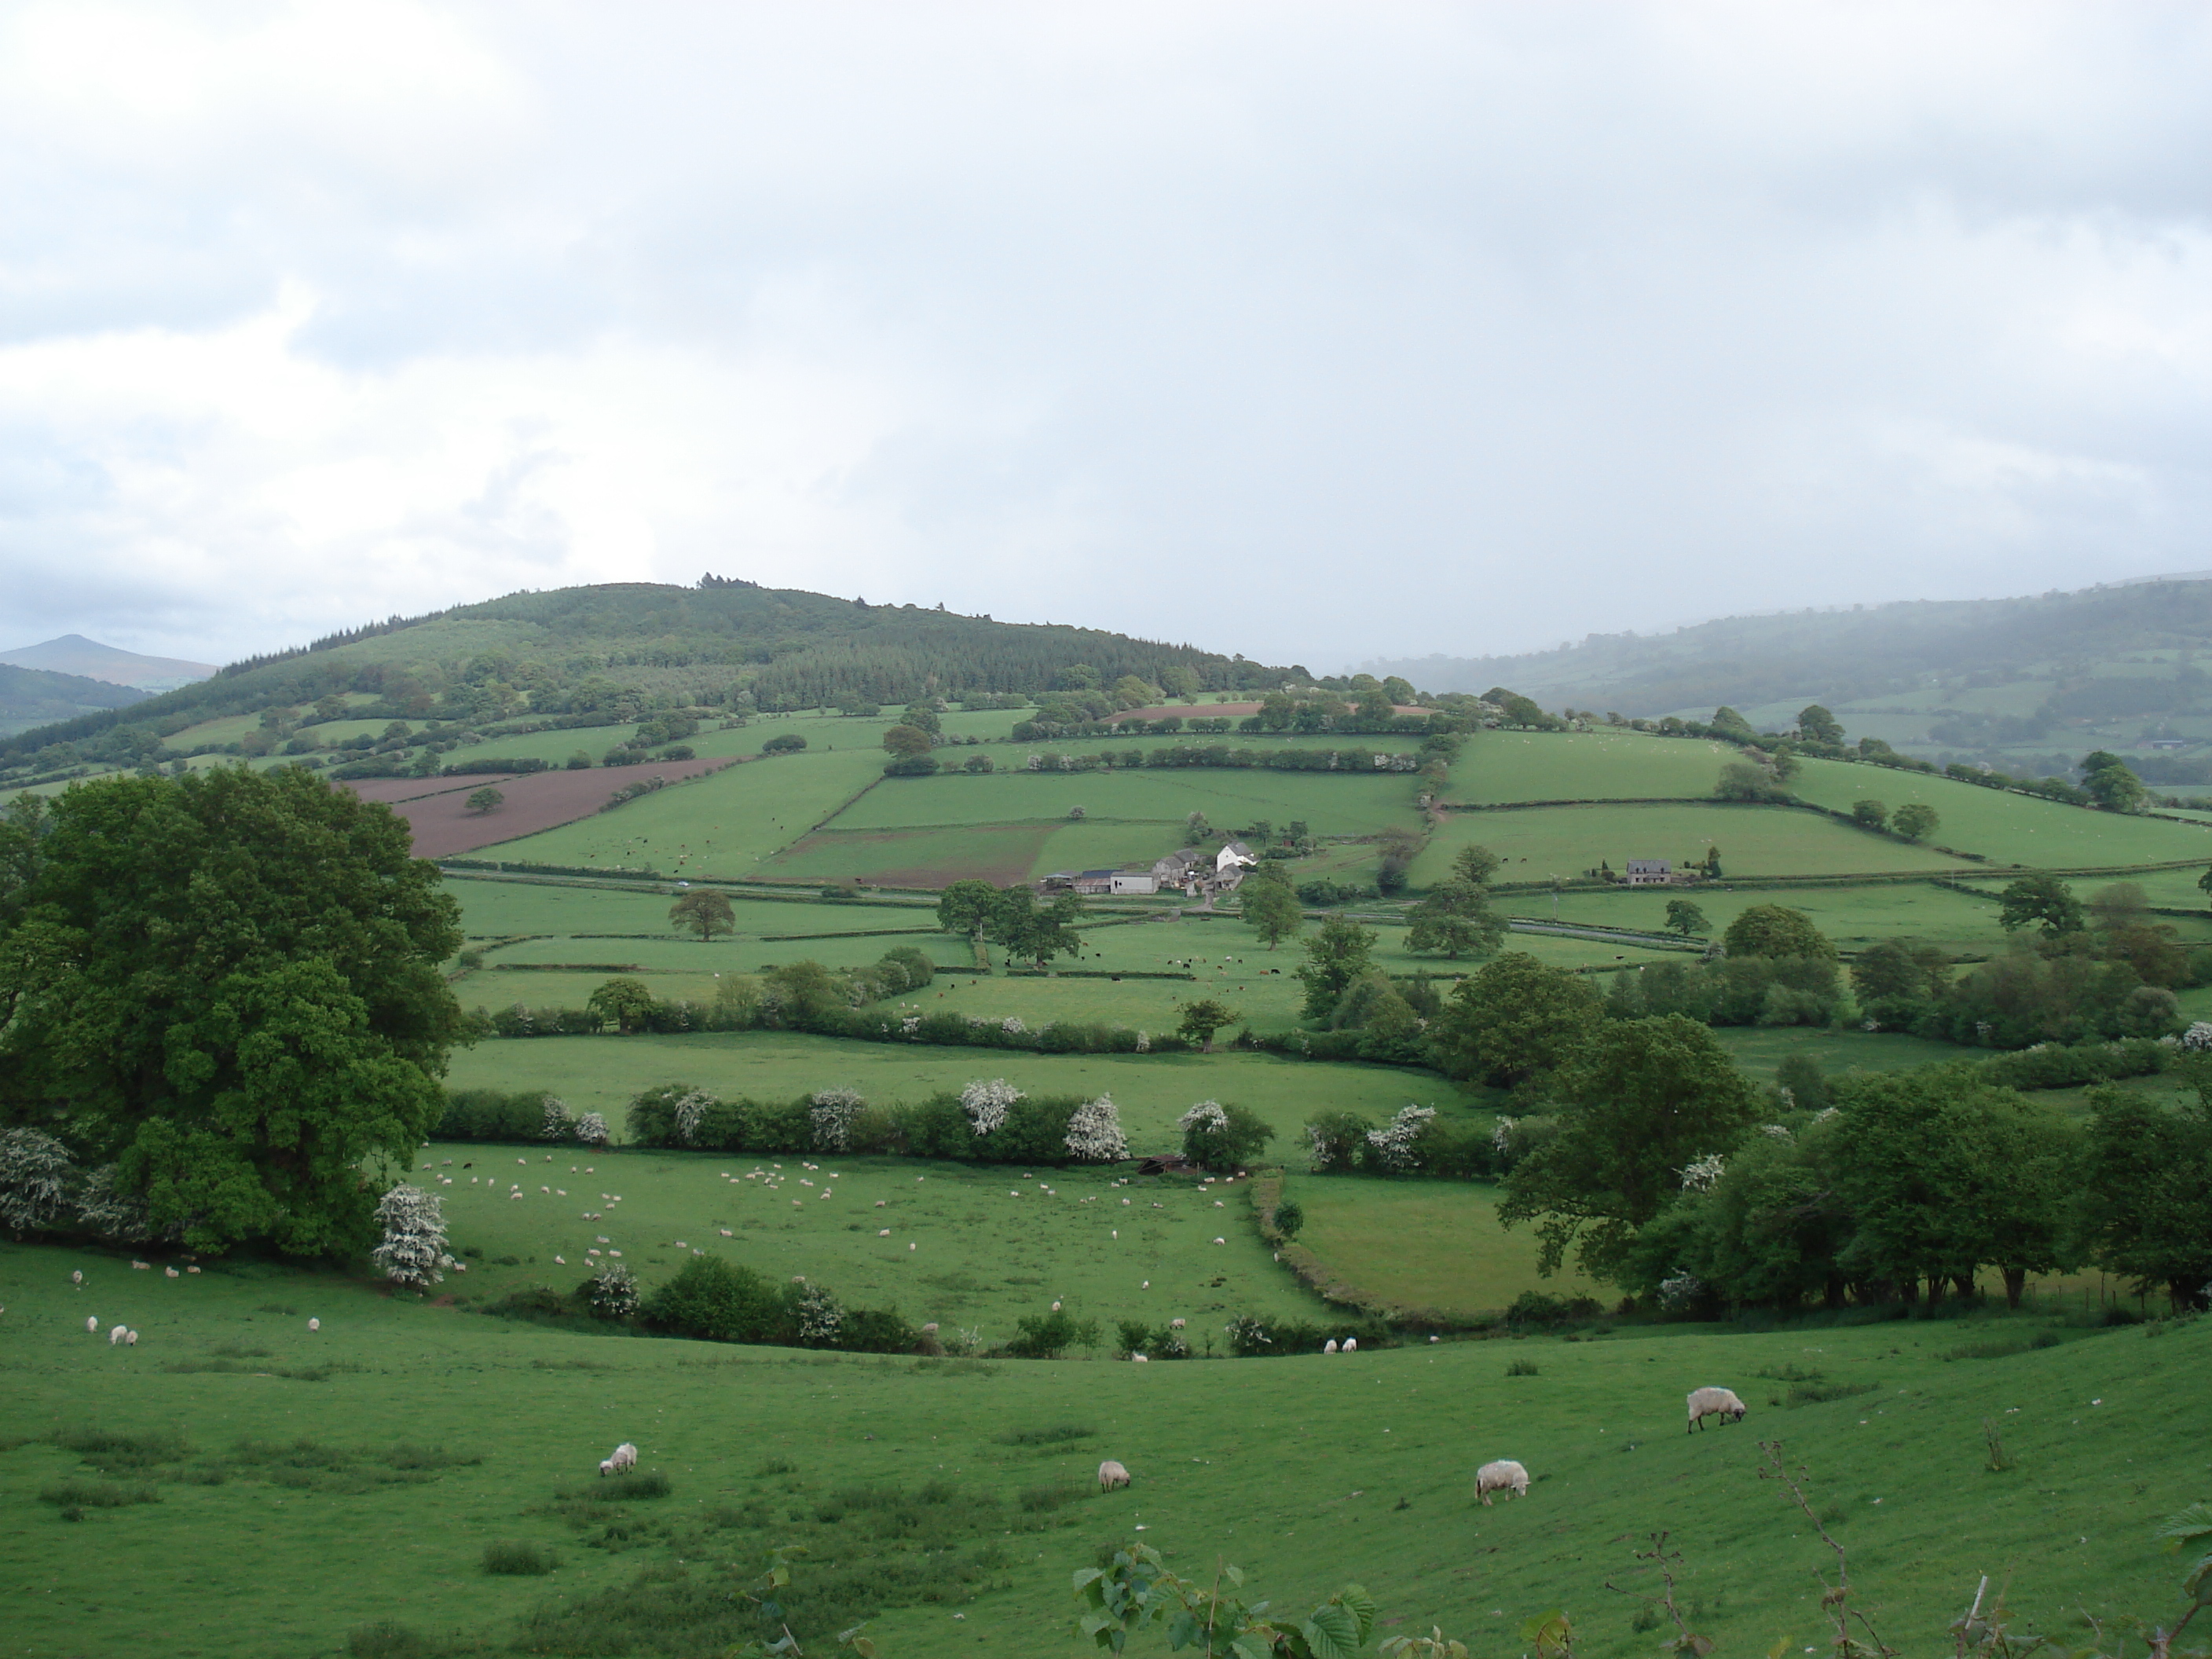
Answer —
436 809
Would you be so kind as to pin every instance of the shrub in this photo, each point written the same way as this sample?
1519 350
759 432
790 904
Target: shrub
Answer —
784 743
829 1116
1520 1368
1218 1137
719 1301
611 1292
1288 1218
517 1560
1094 1133
1049 1335
35 1175
1334 1141
413 1247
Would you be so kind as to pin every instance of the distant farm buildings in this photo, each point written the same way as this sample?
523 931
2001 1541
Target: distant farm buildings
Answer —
1650 873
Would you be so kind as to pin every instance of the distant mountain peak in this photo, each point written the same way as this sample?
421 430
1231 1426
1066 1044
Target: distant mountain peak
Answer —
73 654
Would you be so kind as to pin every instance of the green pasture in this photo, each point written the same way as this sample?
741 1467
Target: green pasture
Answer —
724 824
604 1074
1331 804
401 1439
1852 916
1758 1050
2006 828
1424 1245
496 907
2173 889
1509 766
968 1246
1538 842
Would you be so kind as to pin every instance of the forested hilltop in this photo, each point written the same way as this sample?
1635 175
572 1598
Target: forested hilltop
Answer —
2030 681
597 655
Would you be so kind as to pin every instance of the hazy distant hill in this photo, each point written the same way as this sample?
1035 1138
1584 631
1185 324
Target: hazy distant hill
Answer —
73 654
29 697
2004 679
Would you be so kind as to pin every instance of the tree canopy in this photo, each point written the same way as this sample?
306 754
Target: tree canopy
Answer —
226 983
1774 930
1514 1019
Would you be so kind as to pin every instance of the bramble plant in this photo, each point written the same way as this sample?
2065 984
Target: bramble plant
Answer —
1137 1590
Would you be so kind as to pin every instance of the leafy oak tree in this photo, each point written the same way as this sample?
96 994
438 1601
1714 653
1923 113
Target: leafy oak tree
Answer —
1514 1019
2044 902
1454 920
1640 1100
1914 820
227 984
706 911
1774 930
1336 957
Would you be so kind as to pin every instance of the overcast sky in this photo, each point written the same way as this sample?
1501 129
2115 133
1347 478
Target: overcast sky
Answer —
1311 331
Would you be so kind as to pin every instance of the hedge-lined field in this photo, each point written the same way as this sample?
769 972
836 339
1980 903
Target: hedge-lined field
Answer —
1330 803
724 825
1508 766
1538 842
2006 828
434 1432
602 1074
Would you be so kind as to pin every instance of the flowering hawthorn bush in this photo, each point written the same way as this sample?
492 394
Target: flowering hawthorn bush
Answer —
1094 1133
831 1117
1393 1146
988 1103
414 1246
592 1129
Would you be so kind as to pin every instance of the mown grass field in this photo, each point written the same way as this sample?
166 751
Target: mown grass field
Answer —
435 1432
1852 916
1331 804
1510 766
1538 842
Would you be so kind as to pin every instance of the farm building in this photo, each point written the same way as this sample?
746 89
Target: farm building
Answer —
1135 881
1650 873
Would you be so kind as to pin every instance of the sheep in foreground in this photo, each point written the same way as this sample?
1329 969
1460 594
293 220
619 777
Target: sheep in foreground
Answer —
1502 1475
130 1339
1329 1347
1714 1402
91 1321
622 1461
1112 1474
1352 1345
115 1337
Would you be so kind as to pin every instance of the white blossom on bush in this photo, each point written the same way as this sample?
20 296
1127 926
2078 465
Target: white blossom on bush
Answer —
1699 1176
689 1110
832 1115
820 1318
1393 1144
1094 1133
592 1129
114 1214
612 1292
414 1236
1778 1131
1012 1025
557 1121
1501 1137
2198 1037
911 1024
1207 1114
988 1103
1144 1042
35 1172
1824 1113
1682 1291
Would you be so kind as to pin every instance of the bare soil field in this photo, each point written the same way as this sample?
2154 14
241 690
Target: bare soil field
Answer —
443 826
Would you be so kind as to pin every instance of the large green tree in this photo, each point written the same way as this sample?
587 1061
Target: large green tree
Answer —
1336 956
704 910
1269 906
2147 1188
1514 1019
2044 902
1640 1102
1454 920
1774 930
1034 932
228 984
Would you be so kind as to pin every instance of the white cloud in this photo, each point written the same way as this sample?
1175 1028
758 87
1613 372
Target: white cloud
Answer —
1447 327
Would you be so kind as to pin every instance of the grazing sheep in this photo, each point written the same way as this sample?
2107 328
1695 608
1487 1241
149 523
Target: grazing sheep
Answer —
623 1461
1713 1402
77 1277
173 1273
607 1466
1112 1474
1352 1345
142 1267
115 1337
130 1339
1504 1475
1329 1347
91 1321
314 1324
1176 1324
1141 1359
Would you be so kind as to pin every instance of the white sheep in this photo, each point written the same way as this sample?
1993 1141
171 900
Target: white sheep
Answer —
623 1461
92 1322
1502 1475
606 1466
1713 1402
314 1324
130 1339
1329 1347
1112 1474
1352 1345
115 1337
1141 1360
77 1277
173 1273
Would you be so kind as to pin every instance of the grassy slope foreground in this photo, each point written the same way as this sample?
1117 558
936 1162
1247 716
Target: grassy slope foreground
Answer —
384 1452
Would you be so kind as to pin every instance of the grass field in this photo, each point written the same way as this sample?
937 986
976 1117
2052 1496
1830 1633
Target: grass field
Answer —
1852 916
1428 1244
725 825
2007 827
1540 842
433 1432
1331 804
1509 766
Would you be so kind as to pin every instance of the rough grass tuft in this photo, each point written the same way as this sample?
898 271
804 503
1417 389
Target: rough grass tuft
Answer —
2001 1347
80 1495
1520 1368
108 1450
1059 1434
1043 1500
518 1560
